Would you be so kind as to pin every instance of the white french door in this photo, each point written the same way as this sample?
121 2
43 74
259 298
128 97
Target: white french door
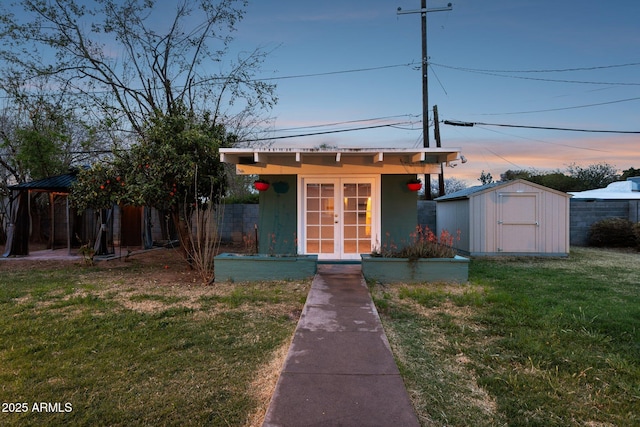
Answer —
339 216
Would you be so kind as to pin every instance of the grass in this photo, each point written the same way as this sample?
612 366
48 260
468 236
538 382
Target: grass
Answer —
528 342
138 344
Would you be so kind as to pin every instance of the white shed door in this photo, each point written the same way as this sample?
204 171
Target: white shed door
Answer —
518 222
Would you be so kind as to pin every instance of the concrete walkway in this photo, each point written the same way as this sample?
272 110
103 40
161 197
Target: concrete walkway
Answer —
339 370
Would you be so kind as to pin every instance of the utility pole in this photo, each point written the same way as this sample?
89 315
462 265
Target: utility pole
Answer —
425 86
436 133
425 63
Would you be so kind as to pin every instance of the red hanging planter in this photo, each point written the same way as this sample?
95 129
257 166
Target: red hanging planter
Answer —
414 186
261 185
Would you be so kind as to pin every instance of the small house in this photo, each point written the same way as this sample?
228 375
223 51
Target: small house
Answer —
507 218
335 203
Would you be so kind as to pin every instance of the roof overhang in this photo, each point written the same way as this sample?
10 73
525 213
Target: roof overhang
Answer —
291 161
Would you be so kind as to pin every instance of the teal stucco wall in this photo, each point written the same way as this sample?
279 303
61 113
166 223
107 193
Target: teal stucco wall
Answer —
399 209
277 222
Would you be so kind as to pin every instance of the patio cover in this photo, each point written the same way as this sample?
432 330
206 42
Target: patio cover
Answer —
18 228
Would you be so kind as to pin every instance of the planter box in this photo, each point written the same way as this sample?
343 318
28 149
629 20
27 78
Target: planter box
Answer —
403 270
252 268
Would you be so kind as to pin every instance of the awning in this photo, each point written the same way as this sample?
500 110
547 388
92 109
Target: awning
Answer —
291 161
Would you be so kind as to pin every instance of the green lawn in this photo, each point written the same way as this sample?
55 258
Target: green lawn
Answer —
531 342
136 343
528 342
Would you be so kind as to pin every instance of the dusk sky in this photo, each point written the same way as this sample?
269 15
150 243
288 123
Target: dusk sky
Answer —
491 62
346 64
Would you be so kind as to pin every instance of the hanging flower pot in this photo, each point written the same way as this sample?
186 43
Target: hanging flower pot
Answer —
414 185
261 185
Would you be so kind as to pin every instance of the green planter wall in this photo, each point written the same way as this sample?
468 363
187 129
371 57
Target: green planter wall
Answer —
251 268
403 270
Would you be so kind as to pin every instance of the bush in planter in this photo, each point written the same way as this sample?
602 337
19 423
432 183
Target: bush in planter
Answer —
613 232
423 243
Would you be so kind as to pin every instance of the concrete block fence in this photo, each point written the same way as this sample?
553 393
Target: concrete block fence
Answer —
239 220
584 212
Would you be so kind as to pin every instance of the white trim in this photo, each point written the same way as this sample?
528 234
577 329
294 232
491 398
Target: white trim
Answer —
376 221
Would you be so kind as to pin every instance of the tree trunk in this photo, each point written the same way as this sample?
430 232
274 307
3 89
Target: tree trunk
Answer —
184 235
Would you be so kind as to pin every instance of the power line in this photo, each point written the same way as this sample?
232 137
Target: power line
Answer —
328 73
224 78
344 122
503 158
471 124
544 142
562 108
559 70
324 132
496 74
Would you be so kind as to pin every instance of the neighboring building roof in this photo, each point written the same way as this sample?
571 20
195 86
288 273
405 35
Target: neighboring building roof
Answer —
620 190
468 192
60 183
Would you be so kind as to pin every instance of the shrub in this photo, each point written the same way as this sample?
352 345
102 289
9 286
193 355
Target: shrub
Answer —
423 243
614 233
636 233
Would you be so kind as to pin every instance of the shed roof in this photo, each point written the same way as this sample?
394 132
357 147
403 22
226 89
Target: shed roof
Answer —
471 191
467 192
59 183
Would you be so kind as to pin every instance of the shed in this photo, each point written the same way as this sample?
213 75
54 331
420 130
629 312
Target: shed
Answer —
507 218
336 203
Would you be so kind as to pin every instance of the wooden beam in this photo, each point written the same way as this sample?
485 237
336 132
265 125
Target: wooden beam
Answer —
418 157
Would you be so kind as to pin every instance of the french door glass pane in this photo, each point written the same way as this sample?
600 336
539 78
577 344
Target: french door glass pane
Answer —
356 218
320 207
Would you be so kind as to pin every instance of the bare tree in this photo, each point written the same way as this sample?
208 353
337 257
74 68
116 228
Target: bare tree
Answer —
133 58
43 134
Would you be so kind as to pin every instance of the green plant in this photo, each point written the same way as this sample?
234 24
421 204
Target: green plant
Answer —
423 243
614 233
87 253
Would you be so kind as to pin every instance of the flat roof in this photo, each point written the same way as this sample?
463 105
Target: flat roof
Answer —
288 156
338 160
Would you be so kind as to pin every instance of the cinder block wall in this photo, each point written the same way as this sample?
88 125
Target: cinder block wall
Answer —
238 220
584 212
427 214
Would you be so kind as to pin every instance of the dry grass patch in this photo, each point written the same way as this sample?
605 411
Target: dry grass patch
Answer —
141 343
265 384
440 377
